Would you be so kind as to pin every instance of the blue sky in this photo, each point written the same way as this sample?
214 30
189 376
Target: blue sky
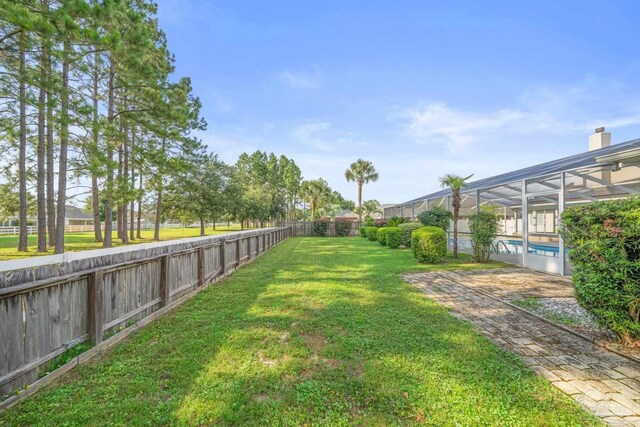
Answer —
420 88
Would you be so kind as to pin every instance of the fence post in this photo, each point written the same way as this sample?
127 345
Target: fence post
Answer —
95 315
223 257
201 266
238 251
164 280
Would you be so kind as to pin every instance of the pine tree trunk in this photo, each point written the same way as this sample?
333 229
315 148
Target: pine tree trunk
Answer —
119 191
133 185
156 230
51 196
108 202
138 232
95 206
125 185
64 144
22 160
40 168
95 192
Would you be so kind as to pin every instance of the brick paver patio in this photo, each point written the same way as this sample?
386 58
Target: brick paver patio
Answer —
602 381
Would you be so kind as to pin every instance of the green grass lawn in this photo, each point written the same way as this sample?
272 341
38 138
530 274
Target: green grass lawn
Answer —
319 331
84 241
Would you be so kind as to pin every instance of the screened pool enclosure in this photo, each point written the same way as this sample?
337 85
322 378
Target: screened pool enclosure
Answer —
531 200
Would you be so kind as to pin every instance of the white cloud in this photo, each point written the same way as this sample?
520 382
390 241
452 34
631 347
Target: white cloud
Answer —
300 79
309 134
556 112
230 143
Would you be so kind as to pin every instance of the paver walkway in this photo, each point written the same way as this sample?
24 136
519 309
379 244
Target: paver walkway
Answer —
602 381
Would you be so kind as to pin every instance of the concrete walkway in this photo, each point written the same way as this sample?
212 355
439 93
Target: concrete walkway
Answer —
602 381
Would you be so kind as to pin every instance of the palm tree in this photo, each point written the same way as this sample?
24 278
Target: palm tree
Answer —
362 172
370 207
455 183
316 192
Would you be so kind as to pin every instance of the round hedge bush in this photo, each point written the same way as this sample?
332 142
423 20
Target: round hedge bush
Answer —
382 236
394 234
429 244
362 231
372 233
407 228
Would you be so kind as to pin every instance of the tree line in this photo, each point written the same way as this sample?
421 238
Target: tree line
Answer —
87 93
89 102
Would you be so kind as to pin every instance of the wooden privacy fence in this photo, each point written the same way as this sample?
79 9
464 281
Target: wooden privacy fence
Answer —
45 309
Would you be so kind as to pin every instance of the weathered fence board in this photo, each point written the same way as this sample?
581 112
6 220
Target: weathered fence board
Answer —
46 309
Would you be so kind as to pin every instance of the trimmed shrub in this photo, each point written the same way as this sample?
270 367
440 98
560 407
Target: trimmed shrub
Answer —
429 244
382 236
343 228
320 228
395 221
372 233
408 228
380 222
604 243
436 217
394 234
362 231
483 227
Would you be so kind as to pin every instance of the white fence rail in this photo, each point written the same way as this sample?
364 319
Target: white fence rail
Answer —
32 229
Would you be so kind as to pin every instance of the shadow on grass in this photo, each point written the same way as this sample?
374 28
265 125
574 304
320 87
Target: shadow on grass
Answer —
319 331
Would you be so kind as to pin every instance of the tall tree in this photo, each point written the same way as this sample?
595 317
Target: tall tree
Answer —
22 162
455 183
361 172
317 193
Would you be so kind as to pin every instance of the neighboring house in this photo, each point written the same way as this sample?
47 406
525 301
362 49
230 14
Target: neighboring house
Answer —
76 216
347 215
386 209
73 216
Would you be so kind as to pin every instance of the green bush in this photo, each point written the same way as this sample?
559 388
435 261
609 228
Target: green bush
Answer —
436 217
408 228
395 221
320 228
382 236
343 228
362 231
483 228
429 244
372 233
369 222
604 243
394 234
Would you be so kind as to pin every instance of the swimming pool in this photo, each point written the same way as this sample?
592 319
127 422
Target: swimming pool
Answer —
534 248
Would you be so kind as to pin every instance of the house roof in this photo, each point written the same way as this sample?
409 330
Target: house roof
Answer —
72 212
577 161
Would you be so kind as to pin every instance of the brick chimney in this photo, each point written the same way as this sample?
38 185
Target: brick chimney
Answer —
600 139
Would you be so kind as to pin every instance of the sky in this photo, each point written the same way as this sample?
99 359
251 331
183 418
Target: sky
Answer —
420 88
